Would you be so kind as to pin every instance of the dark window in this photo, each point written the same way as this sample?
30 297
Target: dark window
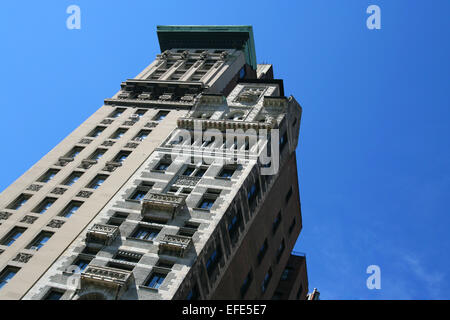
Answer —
288 195
206 203
140 112
117 218
226 173
49 175
54 295
12 236
142 135
252 193
165 264
97 154
193 294
97 182
71 208
276 222
145 233
299 292
138 195
40 240
118 133
44 205
200 172
246 284
155 280
163 165
242 73
96 132
117 113
280 250
19 202
74 152
128 256
262 251
283 141
266 280
213 261
161 115
291 227
277 295
121 156
81 263
285 274
188 171
7 274
74 176
233 226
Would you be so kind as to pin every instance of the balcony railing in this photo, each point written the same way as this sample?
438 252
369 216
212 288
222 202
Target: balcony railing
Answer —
105 276
175 245
162 206
102 233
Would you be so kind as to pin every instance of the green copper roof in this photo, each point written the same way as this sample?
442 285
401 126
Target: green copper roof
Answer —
209 37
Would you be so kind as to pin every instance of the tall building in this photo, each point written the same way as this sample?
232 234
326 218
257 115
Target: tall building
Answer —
183 185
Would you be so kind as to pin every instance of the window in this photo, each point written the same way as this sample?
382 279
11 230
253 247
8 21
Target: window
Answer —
188 171
97 154
288 195
128 256
97 182
189 228
291 227
44 205
138 195
117 113
71 208
54 294
118 133
74 176
233 226
81 263
49 175
280 250
117 218
7 274
145 233
193 294
142 135
262 251
226 173
266 280
163 165
242 73
276 222
155 280
40 240
140 112
74 152
121 156
161 115
200 172
283 141
165 264
213 261
252 194
19 202
206 203
96 132
285 274
246 284
299 292
12 236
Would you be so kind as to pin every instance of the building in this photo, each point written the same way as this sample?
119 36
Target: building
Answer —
183 185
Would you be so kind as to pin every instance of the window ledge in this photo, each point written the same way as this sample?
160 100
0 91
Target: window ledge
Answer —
148 288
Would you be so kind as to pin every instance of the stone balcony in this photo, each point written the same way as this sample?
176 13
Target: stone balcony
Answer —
223 125
162 206
173 244
105 277
102 234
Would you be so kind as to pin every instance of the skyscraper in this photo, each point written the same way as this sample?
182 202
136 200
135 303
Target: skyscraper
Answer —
183 185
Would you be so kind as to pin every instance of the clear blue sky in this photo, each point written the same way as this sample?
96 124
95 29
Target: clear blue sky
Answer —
374 153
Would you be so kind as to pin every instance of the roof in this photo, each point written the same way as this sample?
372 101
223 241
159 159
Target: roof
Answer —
209 37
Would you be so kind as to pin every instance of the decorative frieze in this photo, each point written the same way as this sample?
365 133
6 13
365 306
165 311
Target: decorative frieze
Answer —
223 125
85 141
59 190
55 223
28 219
129 123
84 194
107 121
108 143
187 181
112 165
132 145
5 215
105 277
22 257
173 244
87 163
151 124
102 233
34 187
161 205
63 161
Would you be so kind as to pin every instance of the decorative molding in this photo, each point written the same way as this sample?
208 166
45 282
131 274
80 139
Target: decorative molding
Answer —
29 219
64 160
129 123
187 181
5 215
105 276
87 163
112 165
223 125
151 124
107 121
23 257
84 194
59 190
85 141
102 233
131 145
174 244
108 143
34 187
55 223
161 205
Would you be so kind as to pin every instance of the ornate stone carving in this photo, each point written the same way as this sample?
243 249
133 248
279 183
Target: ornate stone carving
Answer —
161 205
29 219
223 125
59 190
106 277
187 181
34 187
166 96
129 123
124 95
23 257
131 145
84 194
107 121
112 165
55 223
87 163
151 124
5 215
174 244
102 233
108 143
85 141
64 160
145 96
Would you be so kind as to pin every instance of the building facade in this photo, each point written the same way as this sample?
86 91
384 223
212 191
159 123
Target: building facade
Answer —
183 185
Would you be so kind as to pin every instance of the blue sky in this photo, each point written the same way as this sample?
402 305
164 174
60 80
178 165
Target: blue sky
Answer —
374 153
